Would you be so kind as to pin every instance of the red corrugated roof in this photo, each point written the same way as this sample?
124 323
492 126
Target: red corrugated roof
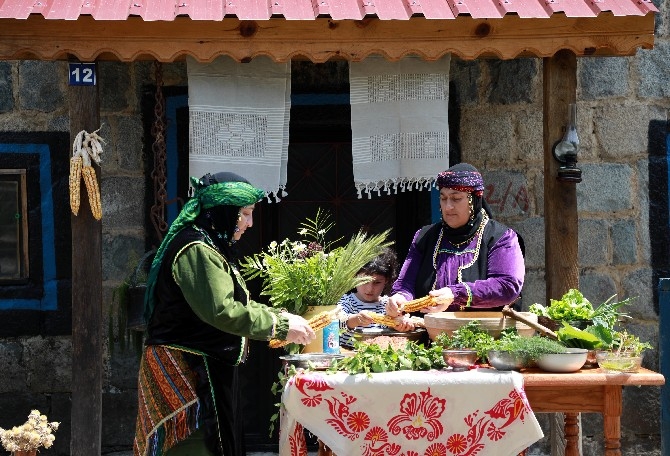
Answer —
215 10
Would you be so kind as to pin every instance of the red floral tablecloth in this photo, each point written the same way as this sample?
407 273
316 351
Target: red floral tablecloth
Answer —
408 413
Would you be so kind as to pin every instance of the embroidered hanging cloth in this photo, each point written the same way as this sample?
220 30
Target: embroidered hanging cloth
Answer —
399 123
481 411
239 119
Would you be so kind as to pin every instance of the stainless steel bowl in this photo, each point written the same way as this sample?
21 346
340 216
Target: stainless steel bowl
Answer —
505 361
314 361
460 359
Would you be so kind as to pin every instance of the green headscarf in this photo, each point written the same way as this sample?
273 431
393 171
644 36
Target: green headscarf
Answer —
238 194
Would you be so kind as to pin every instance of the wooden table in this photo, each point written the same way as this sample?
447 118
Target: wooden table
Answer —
589 390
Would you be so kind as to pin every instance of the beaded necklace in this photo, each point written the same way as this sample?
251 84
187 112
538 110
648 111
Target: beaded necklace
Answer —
479 234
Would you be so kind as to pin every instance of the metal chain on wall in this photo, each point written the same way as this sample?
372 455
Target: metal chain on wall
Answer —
159 173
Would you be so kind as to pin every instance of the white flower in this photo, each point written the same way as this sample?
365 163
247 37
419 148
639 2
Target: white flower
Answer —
302 232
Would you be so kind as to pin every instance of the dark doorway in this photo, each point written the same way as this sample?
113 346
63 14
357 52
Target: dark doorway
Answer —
320 175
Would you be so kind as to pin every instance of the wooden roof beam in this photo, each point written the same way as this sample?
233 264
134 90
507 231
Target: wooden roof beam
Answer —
323 39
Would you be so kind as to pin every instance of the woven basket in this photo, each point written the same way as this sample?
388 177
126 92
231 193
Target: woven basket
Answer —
492 322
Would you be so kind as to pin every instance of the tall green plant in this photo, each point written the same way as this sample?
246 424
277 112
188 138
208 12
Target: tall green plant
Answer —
312 271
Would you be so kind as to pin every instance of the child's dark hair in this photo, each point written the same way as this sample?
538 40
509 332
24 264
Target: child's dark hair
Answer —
384 264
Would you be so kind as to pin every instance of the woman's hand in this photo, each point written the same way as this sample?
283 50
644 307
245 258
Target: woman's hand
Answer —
299 331
404 324
359 319
444 297
394 305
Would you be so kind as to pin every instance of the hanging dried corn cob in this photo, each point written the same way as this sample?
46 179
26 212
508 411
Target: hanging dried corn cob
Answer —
317 322
75 183
86 147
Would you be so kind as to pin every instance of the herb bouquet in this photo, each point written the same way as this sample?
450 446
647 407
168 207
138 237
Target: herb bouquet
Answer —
312 271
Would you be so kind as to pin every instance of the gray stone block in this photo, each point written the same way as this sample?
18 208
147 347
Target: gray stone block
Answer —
12 365
654 70
465 77
486 137
638 283
123 202
115 81
511 81
39 85
532 231
534 290
622 130
603 77
120 255
639 420
597 287
6 87
605 187
507 193
49 363
593 242
624 242
119 412
129 144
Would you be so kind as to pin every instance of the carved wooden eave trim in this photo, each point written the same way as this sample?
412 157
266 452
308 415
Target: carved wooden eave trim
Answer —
322 39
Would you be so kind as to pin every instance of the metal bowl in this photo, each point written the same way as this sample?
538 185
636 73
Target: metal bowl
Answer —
314 361
460 359
505 361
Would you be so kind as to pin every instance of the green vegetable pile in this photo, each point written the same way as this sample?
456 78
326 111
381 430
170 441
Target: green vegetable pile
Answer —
574 306
371 358
472 336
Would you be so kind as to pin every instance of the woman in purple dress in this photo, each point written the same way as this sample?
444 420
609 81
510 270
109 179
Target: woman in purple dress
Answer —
468 261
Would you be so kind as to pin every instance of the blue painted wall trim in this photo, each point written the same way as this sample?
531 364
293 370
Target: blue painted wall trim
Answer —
49 300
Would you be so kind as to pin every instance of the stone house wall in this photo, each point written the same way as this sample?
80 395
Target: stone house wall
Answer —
622 111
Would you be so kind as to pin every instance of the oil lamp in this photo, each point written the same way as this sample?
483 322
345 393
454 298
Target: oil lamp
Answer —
565 151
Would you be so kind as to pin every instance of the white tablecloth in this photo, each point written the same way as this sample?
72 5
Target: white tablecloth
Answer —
408 413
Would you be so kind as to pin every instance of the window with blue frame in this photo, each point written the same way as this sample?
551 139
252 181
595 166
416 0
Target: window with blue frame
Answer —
35 235
13 226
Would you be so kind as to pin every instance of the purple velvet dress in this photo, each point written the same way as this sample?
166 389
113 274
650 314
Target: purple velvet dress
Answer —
501 286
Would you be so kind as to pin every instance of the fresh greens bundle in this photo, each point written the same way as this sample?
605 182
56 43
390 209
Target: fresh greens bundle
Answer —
574 306
371 358
472 336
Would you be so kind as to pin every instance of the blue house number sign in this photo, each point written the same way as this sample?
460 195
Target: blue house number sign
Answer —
82 74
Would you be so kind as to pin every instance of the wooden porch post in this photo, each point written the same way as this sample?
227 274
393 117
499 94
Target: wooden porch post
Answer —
86 415
560 198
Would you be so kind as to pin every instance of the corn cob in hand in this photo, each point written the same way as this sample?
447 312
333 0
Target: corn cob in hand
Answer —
421 303
317 322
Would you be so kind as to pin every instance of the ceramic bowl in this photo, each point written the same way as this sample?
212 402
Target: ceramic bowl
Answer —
571 361
614 363
460 359
505 361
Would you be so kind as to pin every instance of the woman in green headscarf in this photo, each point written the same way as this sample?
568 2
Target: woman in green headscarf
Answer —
199 317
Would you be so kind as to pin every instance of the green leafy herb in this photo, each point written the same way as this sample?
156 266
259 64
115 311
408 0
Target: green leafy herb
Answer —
529 348
371 358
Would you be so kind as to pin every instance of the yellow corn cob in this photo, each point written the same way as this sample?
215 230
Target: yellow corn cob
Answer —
75 183
317 322
93 191
380 319
417 304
